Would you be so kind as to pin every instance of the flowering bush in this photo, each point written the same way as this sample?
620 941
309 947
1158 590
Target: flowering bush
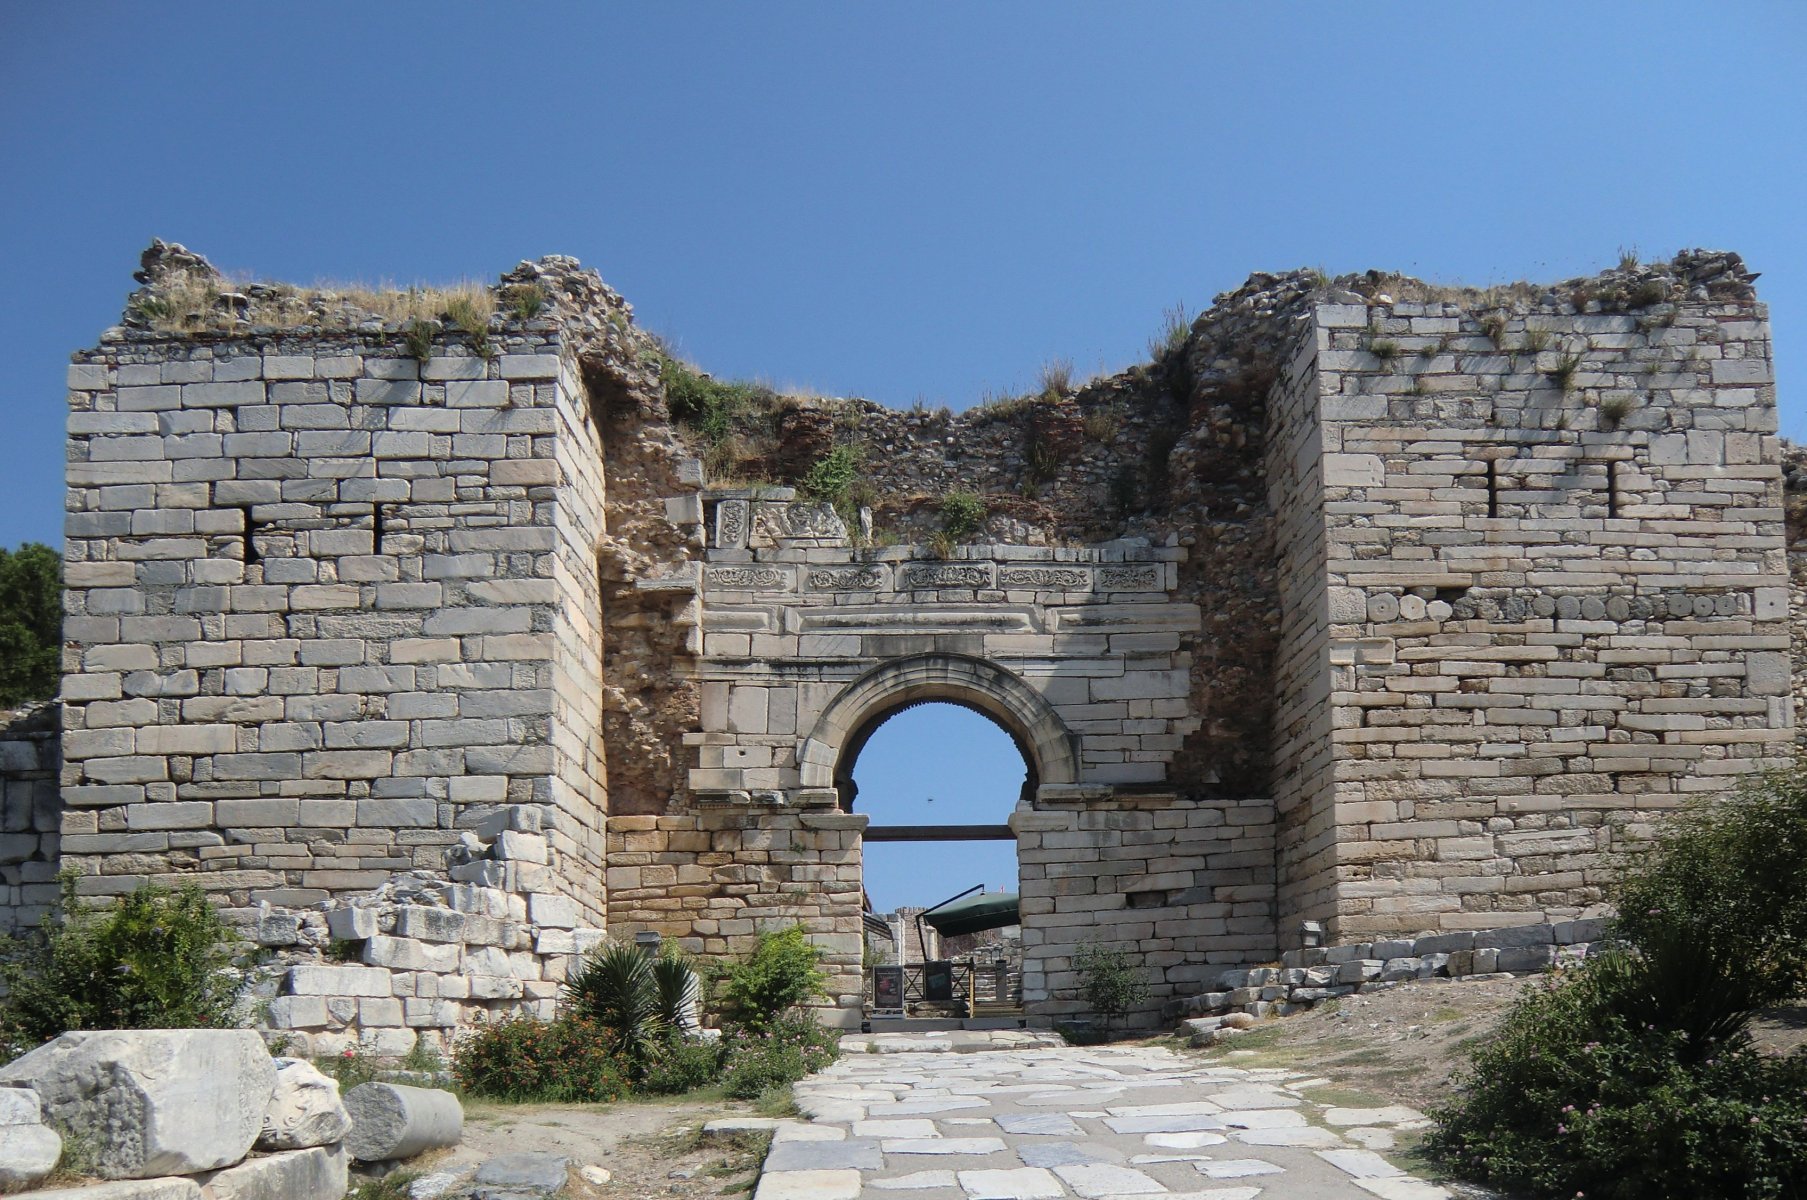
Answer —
521 1058
781 1052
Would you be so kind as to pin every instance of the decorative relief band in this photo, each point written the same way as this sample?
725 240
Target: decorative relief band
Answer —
748 578
846 579
1130 579
1065 578
731 524
947 575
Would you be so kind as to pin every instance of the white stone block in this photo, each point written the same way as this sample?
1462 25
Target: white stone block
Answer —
305 1109
154 1101
316 1173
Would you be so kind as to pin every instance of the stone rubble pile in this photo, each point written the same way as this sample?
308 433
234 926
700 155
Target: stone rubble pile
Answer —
431 953
1305 977
200 1114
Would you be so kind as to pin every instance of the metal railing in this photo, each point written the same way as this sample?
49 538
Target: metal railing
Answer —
955 982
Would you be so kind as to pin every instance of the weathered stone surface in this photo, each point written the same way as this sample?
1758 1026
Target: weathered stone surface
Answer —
539 1174
315 1173
395 1121
154 1101
29 1149
162 1188
305 1109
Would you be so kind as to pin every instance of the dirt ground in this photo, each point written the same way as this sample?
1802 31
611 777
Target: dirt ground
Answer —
1406 1045
652 1148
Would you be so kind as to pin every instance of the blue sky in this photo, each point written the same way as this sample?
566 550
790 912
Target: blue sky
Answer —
937 764
901 202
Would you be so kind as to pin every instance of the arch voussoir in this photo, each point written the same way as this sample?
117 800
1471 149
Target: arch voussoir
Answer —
972 682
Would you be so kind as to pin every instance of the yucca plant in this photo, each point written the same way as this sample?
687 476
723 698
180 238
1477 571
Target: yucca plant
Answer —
616 987
680 992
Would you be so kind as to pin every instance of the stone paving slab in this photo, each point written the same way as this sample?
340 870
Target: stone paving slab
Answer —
898 1118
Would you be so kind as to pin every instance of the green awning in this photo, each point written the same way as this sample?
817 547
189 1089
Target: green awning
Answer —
974 914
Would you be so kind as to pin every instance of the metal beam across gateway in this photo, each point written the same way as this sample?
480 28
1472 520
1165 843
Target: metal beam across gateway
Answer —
939 833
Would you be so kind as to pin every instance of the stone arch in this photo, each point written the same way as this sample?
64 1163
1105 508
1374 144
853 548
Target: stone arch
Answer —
826 756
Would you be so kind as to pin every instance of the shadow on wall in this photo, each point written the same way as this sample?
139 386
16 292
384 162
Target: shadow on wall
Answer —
31 812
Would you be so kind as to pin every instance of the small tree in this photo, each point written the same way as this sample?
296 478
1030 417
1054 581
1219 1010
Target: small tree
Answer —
1633 1077
1109 981
31 623
156 959
782 972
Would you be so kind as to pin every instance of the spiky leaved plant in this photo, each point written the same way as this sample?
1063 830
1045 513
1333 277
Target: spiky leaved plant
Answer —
616 987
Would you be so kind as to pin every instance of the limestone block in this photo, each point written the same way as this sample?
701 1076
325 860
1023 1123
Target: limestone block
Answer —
167 1188
1524 958
297 1012
29 1149
552 911
305 1109
393 1120
154 1101
533 1173
407 954
430 924
351 924
338 981
315 1173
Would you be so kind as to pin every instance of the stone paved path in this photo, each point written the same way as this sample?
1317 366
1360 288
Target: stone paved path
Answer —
1019 1119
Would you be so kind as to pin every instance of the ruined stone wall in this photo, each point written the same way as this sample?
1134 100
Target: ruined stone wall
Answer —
1363 604
31 810
1558 589
1306 848
333 622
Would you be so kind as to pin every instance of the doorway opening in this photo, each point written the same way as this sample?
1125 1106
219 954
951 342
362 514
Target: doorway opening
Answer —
939 781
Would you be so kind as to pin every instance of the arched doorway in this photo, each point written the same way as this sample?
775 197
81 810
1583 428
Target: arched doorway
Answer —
940 722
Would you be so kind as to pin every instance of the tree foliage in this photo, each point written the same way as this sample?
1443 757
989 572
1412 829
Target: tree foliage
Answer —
1634 1074
1109 980
782 972
156 959
31 623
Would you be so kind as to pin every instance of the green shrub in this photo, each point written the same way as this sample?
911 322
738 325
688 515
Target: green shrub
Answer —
782 972
520 1058
962 513
349 1067
612 988
711 407
1569 1096
1109 980
1633 1075
31 623
834 476
773 1055
154 959
1730 874
681 1064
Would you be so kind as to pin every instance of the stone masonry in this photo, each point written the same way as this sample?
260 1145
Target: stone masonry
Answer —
436 649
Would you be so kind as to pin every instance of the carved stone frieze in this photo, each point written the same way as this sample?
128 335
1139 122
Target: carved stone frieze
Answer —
1142 578
731 525
1049 578
847 579
947 575
748 578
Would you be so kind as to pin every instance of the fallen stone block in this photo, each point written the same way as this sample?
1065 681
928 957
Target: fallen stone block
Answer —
165 1188
530 1174
305 1109
316 1173
393 1120
154 1102
29 1149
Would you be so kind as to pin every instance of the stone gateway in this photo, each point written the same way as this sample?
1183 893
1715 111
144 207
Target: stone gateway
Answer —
438 646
